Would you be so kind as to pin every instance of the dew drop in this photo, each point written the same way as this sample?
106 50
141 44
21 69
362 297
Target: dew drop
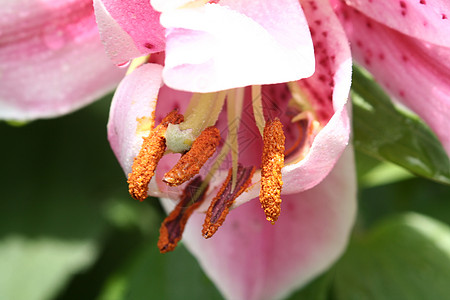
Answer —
53 39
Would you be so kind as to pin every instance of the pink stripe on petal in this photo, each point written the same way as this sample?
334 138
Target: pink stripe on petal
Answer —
251 259
51 59
428 20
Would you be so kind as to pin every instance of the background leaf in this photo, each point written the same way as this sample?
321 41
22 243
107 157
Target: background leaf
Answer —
384 131
406 257
56 177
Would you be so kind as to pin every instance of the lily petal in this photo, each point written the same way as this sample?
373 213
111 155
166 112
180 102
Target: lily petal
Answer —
129 28
328 89
427 20
416 73
131 109
46 59
236 43
249 258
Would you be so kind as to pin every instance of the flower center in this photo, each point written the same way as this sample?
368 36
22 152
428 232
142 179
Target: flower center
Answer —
196 136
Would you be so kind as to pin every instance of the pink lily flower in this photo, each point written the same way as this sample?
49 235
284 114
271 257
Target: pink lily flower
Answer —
51 59
243 53
406 46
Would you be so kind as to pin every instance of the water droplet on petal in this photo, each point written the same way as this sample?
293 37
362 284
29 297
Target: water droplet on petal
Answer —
53 38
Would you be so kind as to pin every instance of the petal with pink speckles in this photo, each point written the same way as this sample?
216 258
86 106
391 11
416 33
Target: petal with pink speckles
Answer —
428 20
46 59
416 73
328 91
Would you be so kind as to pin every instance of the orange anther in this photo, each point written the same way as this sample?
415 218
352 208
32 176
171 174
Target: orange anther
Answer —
191 162
151 152
271 165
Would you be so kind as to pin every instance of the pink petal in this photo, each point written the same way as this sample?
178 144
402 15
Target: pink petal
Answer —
129 28
249 258
236 43
328 90
51 59
427 20
416 73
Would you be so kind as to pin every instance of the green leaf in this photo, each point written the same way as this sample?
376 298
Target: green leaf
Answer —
388 133
152 275
406 257
36 268
56 177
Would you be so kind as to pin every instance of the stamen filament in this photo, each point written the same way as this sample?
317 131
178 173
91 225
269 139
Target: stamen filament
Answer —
258 108
235 101
300 99
272 163
205 112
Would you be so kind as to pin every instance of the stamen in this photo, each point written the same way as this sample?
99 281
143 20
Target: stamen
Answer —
204 112
220 205
235 101
135 63
272 163
173 226
190 163
151 152
258 108
300 99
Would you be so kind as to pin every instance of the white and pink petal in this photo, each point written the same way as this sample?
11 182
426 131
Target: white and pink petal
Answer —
236 43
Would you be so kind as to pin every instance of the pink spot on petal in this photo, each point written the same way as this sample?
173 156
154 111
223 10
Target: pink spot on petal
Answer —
423 2
444 17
